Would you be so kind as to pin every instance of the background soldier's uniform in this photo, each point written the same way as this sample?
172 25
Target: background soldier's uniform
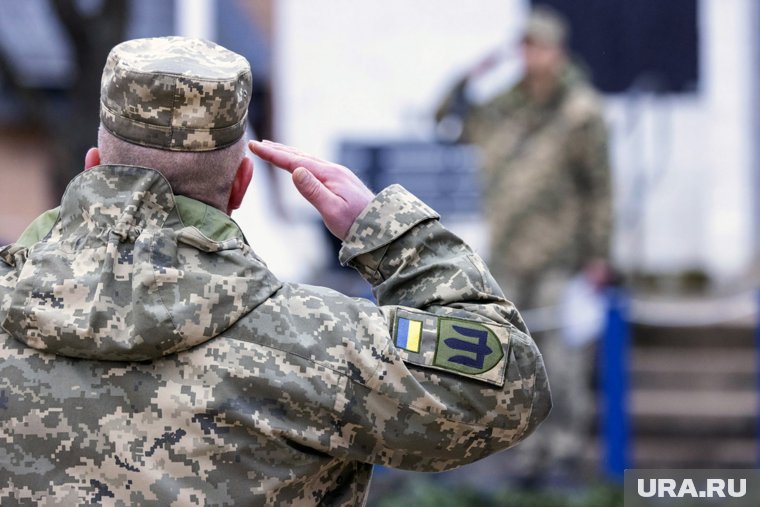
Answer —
149 357
547 182
548 203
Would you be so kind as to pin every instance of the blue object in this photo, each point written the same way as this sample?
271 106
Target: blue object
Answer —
757 349
614 363
446 177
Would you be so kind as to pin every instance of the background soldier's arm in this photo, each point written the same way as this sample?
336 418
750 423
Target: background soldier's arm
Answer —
590 159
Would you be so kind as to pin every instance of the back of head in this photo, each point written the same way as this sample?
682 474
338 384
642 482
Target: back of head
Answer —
178 105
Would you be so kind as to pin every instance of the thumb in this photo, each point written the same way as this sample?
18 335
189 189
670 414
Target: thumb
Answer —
310 187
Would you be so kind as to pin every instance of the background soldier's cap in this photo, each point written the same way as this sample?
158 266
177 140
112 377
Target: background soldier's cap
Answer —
175 93
546 25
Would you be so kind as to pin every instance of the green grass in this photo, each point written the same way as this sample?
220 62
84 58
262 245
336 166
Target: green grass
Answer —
434 494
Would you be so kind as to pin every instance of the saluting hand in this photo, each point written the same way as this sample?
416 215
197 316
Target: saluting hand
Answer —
336 192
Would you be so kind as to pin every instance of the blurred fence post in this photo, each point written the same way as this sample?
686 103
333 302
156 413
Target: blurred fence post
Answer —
613 366
757 365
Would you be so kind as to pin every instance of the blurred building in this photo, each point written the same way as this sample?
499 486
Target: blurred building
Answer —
51 56
45 72
685 157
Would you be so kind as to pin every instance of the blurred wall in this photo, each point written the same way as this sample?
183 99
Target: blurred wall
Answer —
685 163
375 70
24 179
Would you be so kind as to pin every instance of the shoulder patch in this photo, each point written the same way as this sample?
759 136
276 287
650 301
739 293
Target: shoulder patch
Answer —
408 334
463 347
466 346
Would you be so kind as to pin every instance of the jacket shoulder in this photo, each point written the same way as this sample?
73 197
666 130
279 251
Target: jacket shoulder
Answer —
583 105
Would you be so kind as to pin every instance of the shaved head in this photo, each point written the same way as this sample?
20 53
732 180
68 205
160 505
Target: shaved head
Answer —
203 175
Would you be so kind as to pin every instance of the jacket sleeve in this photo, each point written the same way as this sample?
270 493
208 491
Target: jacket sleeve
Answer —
589 157
452 374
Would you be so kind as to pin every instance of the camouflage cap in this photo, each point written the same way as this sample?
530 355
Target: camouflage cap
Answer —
175 93
546 25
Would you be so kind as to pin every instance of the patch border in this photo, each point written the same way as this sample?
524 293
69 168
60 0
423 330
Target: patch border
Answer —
439 337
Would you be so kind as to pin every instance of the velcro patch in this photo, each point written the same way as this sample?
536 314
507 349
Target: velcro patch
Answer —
408 334
464 347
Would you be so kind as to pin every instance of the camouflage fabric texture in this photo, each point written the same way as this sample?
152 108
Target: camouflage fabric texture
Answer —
148 359
175 93
547 180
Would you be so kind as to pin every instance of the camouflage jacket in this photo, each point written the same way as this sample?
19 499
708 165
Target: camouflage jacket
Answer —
547 178
149 357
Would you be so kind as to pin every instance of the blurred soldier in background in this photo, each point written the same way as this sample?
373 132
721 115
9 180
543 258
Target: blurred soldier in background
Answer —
548 202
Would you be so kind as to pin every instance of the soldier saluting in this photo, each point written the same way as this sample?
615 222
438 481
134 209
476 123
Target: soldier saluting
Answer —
149 357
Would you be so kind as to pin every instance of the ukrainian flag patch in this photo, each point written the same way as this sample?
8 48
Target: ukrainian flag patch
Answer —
473 349
408 334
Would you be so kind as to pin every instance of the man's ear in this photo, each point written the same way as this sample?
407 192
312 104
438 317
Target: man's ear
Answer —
243 178
91 159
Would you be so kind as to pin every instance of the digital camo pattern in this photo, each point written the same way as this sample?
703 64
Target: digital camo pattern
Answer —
175 93
289 403
546 180
128 287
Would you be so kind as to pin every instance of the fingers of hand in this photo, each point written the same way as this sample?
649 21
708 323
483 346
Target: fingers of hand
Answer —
312 189
336 192
293 151
275 156
329 205
289 158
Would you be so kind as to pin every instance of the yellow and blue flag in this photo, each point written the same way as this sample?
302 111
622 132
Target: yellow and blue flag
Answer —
408 334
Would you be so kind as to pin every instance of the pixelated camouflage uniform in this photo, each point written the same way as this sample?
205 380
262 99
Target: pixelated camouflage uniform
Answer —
149 357
548 204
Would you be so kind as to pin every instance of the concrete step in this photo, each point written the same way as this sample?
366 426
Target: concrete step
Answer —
682 452
704 403
692 368
674 452
711 337
705 427
693 400
692 360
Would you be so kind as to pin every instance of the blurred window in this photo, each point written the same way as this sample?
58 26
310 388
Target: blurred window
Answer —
650 44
